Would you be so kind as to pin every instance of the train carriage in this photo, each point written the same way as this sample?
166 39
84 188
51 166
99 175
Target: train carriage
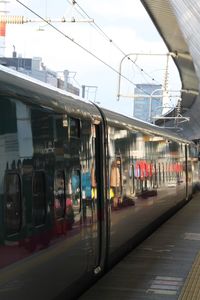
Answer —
79 186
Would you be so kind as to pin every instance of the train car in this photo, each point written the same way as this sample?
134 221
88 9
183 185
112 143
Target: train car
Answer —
79 186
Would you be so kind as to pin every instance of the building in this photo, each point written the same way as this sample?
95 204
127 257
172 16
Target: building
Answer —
34 67
148 101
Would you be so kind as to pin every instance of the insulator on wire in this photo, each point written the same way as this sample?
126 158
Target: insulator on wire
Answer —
12 19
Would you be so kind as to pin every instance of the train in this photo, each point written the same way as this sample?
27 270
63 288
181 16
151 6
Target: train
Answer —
79 187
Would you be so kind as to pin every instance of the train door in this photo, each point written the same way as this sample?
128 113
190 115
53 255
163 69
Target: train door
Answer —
98 195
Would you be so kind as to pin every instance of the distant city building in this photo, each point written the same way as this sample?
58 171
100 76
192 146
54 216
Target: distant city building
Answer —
146 105
34 67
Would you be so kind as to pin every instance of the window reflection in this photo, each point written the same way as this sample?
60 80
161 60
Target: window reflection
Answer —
59 194
76 190
13 213
74 128
39 201
116 182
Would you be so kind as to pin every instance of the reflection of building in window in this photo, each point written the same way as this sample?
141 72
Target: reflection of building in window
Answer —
115 175
39 200
76 190
59 194
24 130
74 128
93 182
115 182
13 208
86 184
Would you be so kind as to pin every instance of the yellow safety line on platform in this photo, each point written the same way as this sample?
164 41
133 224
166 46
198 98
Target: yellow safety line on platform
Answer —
191 288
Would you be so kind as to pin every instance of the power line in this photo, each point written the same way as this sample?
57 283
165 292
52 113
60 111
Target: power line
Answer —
96 26
77 44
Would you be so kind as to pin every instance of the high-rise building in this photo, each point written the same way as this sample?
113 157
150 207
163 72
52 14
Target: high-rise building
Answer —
34 67
148 101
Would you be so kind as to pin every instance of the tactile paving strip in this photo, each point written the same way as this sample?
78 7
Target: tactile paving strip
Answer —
191 288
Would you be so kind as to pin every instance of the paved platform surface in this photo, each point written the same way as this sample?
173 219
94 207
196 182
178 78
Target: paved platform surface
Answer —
166 266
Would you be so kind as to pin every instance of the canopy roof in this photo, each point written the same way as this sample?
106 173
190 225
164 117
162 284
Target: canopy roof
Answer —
178 23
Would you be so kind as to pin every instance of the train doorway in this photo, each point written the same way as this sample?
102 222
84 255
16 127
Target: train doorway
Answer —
98 191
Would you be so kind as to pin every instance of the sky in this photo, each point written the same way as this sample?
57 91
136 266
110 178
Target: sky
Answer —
124 27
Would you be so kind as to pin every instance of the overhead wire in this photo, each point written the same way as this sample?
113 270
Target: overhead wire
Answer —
95 25
78 44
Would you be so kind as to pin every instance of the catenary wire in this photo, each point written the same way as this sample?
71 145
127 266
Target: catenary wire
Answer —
96 26
79 45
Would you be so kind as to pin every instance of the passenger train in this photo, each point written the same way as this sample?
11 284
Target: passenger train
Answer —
79 187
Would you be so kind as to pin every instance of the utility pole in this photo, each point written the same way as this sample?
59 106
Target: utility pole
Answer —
166 82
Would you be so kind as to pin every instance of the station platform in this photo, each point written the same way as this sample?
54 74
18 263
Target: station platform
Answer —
166 266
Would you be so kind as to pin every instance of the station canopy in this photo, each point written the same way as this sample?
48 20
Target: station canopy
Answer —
178 22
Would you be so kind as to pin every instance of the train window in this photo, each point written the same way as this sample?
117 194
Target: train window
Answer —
137 173
167 172
163 172
59 194
159 175
74 128
116 181
76 190
60 131
155 176
132 175
116 171
39 198
13 203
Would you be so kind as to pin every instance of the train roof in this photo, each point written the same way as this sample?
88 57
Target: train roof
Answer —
27 89
138 125
16 85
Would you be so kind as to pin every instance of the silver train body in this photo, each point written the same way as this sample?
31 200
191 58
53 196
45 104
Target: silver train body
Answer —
79 187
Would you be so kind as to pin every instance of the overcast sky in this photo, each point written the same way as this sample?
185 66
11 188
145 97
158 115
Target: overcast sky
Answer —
125 22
